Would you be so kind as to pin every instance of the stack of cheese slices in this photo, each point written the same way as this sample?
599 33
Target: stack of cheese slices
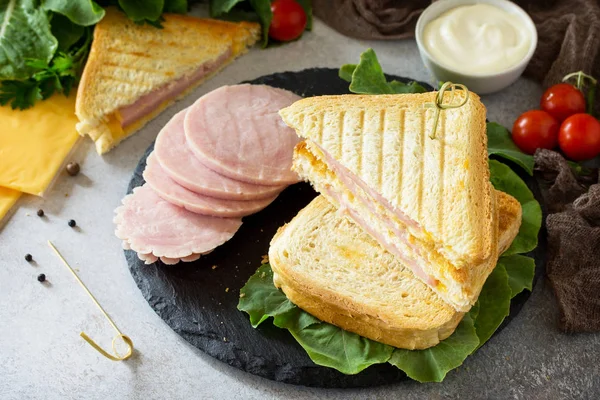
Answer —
227 156
408 226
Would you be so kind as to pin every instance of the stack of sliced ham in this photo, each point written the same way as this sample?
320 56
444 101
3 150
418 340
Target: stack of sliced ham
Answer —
227 156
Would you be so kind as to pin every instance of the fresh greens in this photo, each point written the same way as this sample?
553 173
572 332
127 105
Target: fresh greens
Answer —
500 144
24 34
263 10
432 365
44 44
520 270
506 180
368 78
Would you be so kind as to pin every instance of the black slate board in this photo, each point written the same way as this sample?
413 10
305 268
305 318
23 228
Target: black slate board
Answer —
199 302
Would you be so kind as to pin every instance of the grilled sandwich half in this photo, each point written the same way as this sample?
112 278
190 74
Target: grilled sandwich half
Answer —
425 197
332 269
135 71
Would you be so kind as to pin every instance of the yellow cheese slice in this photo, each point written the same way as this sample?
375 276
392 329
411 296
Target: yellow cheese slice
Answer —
8 198
35 142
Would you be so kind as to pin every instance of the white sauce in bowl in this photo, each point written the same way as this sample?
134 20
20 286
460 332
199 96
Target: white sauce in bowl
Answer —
477 39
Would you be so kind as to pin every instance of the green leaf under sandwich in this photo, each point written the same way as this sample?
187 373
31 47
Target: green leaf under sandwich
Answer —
432 365
505 179
501 145
520 270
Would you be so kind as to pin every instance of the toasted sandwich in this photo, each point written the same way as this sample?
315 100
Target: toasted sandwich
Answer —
332 269
135 71
426 198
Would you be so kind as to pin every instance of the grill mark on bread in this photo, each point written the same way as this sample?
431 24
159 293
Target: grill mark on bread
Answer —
381 144
441 203
422 117
361 129
341 116
402 122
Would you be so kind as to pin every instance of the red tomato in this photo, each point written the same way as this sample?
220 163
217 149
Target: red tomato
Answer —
289 20
562 101
535 129
579 137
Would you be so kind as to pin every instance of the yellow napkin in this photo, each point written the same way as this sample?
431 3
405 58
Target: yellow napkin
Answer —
35 142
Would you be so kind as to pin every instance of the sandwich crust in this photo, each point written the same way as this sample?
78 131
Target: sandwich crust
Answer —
329 267
128 61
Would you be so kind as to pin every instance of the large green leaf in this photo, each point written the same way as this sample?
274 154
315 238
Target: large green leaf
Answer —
505 179
494 304
24 34
432 365
330 346
520 270
500 144
143 10
80 12
261 299
367 77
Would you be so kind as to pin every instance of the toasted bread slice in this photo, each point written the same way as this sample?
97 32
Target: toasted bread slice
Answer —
329 267
436 188
458 287
135 71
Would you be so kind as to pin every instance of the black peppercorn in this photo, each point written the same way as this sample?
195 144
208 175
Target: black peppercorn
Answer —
40 213
72 223
28 257
73 168
41 277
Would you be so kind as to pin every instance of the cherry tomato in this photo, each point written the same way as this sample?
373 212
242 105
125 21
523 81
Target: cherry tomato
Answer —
289 20
562 101
579 137
535 129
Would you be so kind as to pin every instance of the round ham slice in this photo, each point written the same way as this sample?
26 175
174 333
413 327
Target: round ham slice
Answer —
237 132
153 226
151 258
176 194
180 163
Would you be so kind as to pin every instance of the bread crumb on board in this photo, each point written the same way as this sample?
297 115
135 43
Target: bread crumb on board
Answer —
265 259
214 267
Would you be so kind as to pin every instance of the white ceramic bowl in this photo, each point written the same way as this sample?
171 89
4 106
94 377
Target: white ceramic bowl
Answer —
483 83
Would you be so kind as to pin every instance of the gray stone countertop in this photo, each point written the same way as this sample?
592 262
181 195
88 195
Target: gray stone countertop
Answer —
42 356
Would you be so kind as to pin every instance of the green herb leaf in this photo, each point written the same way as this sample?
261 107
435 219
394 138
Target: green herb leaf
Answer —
346 72
261 299
367 78
520 270
494 304
219 7
143 10
176 6
501 145
80 12
505 179
432 365
20 94
26 34
263 10
66 32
